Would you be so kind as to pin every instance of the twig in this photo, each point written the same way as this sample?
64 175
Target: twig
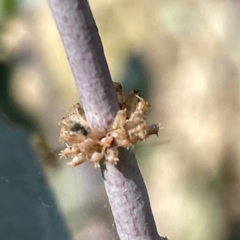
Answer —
124 184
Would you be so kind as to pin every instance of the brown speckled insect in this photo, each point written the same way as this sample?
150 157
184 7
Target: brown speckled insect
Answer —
86 144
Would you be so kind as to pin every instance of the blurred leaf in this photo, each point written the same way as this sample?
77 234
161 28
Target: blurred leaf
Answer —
135 75
8 107
8 8
27 205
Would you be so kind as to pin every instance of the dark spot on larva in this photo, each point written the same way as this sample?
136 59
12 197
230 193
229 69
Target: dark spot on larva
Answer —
77 127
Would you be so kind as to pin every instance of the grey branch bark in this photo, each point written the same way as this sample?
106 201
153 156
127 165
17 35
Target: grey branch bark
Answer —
124 184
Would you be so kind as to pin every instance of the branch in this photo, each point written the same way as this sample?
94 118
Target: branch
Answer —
87 61
124 184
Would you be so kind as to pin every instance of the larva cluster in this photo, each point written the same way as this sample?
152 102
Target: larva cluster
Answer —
86 144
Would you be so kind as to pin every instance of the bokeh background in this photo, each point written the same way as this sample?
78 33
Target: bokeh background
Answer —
184 56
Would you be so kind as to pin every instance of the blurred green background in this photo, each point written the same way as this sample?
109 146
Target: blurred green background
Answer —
184 56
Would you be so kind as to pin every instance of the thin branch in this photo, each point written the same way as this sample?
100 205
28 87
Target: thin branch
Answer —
87 60
124 184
